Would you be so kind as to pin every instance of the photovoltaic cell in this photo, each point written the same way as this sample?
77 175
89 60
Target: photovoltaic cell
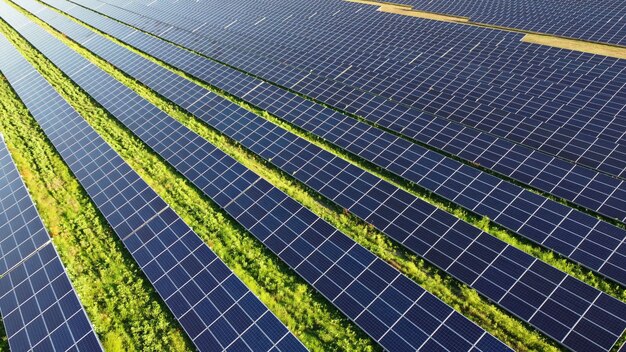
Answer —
40 309
356 281
260 137
214 307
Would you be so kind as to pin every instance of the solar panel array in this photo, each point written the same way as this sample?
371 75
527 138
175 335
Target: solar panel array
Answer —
40 309
491 99
390 307
548 118
571 233
397 212
599 21
213 306
590 189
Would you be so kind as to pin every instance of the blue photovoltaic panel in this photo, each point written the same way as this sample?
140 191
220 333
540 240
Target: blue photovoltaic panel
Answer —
267 140
213 306
426 75
21 229
571 233
394 310
589 189
40 309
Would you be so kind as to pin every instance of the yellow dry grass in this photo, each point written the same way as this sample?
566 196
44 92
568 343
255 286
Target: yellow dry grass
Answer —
409 11
577 45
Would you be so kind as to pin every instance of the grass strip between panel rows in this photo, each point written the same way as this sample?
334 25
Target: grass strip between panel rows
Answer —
313 319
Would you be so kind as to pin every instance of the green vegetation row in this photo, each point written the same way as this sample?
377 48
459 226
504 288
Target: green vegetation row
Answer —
484 223
4 341
464 299
313 319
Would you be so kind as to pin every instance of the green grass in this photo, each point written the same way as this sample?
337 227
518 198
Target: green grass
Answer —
459 296
314 320
4 341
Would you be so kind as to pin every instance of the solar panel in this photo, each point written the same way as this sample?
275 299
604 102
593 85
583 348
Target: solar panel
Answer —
594 191
571 233
213 306
394 310
40 309
362 193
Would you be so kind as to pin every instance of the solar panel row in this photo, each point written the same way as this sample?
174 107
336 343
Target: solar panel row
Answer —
586 188
21 231
422 93
353 187
40 309
575 235
213 306
599 21
390 307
